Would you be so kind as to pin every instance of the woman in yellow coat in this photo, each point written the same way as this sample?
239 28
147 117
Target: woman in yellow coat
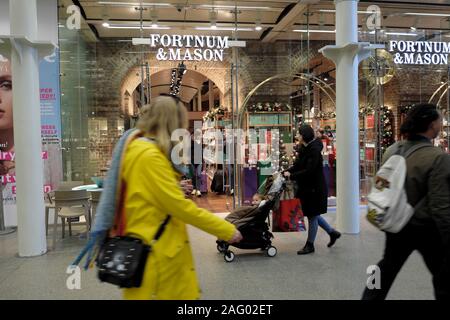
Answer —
153 193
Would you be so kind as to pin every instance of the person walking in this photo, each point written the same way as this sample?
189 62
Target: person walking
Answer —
307 172
428 191
145 182
196 161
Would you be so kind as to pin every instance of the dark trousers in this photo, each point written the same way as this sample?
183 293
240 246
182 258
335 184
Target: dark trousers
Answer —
399 246
197 169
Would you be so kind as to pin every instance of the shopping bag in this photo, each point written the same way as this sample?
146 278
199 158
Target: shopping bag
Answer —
250 184
288 217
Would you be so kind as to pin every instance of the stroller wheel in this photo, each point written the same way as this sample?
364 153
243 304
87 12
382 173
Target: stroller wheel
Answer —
221 248
271 251
229 256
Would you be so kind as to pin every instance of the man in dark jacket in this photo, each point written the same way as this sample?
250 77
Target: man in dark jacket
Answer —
428 190
307 172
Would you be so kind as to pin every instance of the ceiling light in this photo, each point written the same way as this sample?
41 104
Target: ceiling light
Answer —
121 26
224 29
317 31
224 7
413 29
401 34
213 19
133 4
258 26
333 11
182 68
397 33
154 17
426 14
105 21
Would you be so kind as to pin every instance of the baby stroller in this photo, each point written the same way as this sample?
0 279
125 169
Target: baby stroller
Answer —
252 222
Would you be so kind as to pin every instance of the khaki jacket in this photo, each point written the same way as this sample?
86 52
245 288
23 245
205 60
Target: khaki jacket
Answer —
428 178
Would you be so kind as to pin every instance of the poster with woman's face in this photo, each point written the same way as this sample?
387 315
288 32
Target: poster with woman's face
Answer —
7 155
6 118
50 125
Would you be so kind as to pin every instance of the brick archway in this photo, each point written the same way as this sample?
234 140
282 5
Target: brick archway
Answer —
218 72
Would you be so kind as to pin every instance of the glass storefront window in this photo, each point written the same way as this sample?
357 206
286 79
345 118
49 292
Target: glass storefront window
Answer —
276 81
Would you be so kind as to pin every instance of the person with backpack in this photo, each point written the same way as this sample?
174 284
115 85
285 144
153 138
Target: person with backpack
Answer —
425 224
307 172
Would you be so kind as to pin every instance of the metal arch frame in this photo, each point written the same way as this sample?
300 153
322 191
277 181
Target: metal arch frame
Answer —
325 87
441 96
438 104
303 76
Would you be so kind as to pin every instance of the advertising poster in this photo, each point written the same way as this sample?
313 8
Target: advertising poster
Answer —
50 125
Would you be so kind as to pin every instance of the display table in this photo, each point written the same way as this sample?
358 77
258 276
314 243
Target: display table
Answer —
88 187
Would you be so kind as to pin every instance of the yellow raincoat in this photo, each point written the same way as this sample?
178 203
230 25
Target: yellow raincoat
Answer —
153 192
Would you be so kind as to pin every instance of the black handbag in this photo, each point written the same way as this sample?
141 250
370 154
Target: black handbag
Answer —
121 260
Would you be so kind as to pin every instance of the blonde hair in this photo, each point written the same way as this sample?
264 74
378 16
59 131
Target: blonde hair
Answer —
160 118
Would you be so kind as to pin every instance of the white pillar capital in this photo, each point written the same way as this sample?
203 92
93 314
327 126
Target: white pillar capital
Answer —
360 50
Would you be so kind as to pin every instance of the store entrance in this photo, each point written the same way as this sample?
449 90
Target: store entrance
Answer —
197 91
201 95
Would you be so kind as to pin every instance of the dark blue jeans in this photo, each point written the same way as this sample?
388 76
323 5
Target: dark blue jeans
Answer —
313 226
197 169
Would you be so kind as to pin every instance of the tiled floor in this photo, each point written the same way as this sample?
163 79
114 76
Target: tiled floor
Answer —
337 273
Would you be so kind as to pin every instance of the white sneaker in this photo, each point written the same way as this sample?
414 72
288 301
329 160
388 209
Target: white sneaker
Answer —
199 194
194 192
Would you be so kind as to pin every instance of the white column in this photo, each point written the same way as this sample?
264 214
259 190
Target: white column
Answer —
346 21
347 54
27 132
347 117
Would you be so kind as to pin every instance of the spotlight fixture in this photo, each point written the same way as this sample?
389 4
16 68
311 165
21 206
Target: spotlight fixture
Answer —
154 17
258 26
182 68
213 18
105 21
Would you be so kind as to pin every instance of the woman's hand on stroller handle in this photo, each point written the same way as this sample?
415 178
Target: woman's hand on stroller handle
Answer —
237 237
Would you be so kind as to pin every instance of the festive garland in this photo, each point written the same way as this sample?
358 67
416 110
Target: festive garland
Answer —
327 115
366 110
269 107
387 138
211 115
